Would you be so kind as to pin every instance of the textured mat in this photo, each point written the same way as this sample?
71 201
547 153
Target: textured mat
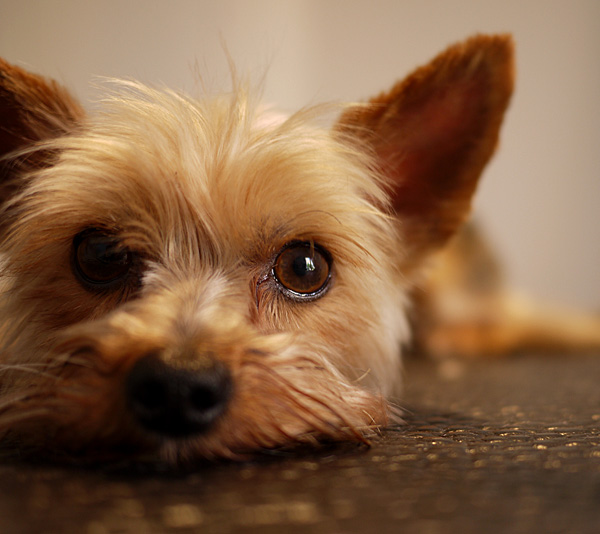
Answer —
508 446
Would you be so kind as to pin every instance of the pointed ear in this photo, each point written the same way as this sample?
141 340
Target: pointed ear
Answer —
32 109
434 132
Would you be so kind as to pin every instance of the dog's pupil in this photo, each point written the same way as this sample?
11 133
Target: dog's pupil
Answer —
102 260
304 265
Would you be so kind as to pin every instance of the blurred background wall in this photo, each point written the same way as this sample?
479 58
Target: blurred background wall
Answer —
540 198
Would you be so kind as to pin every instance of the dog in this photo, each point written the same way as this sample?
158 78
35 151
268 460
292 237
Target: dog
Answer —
196 279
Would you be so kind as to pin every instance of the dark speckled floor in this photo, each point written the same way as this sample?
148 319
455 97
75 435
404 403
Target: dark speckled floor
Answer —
509 446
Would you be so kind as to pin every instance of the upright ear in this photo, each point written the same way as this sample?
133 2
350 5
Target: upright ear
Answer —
32 109
434 132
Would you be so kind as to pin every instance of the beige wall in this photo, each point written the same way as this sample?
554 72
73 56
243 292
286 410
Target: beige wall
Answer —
540 198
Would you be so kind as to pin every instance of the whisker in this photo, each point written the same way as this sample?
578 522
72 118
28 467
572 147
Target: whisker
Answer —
396 413
12 418
81 362
11 401
321 424
27 368
351 429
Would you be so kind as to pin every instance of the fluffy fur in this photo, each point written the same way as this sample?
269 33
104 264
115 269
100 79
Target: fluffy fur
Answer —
203 195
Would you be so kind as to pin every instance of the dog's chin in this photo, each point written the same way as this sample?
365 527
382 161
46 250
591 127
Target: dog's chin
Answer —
189 453
154 454
136 449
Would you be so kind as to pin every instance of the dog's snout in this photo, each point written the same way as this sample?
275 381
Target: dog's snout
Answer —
175 401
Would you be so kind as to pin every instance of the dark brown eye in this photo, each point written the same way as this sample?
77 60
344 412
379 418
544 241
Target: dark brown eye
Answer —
99 260
303 270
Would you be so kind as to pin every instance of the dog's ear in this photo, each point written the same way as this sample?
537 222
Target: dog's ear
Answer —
433 133
32 109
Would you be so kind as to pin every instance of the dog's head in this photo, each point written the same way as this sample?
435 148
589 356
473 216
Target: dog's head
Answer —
199 278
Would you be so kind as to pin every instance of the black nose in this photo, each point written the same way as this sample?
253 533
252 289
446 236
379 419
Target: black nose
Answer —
174 401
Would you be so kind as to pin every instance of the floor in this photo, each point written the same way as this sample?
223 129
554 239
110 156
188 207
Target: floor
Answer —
503 446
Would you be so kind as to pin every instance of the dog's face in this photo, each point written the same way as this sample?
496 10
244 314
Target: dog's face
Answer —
196 278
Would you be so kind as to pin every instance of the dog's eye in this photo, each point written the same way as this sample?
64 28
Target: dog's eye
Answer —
303 270
99 259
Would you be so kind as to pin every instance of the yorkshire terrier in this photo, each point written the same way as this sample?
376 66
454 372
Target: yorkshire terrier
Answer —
193 279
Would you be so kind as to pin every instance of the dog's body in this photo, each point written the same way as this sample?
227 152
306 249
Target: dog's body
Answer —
464 308
196 279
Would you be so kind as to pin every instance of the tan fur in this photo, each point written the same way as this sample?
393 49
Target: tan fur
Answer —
204 194
463 308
